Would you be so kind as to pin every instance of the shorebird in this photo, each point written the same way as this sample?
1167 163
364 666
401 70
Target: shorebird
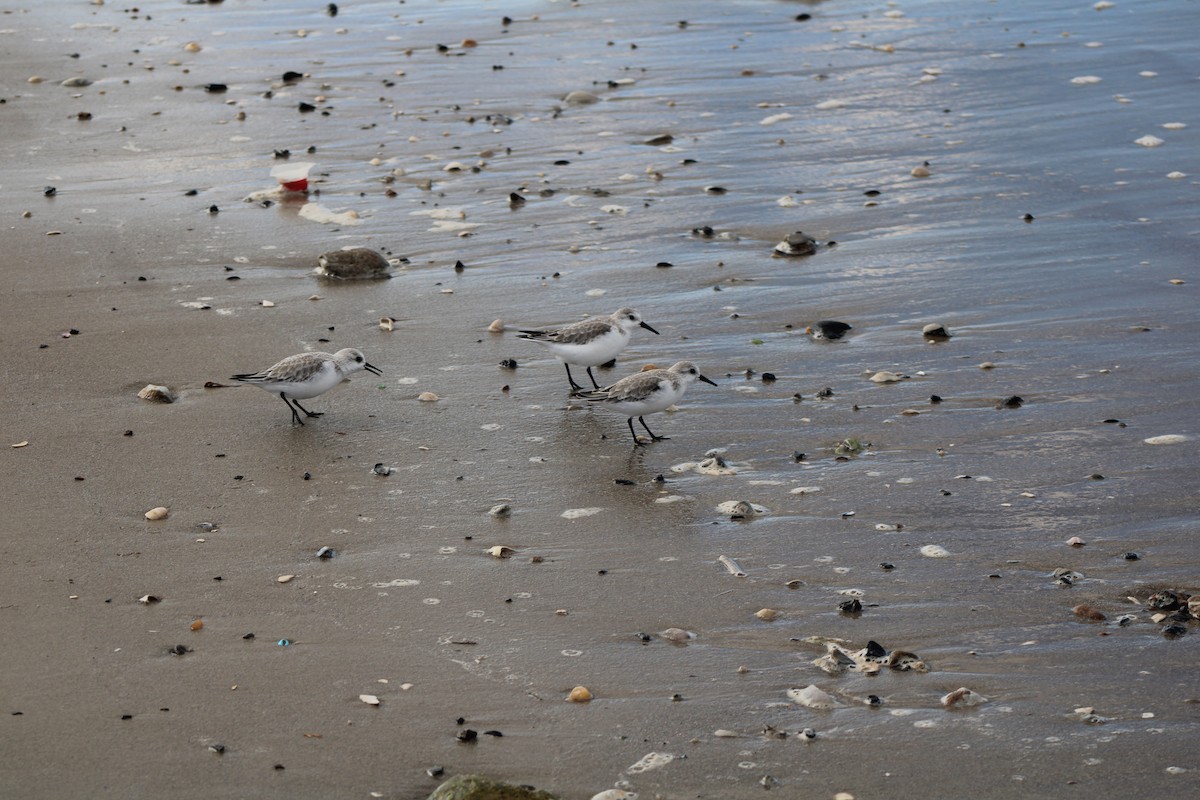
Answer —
647 393
590 342
306 375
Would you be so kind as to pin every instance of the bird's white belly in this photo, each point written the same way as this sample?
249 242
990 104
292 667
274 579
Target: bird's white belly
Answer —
318 383
598 351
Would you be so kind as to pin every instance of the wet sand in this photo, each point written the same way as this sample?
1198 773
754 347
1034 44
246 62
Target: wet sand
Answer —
1075 309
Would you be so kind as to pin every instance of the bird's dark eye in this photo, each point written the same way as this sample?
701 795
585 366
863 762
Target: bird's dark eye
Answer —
631 316
358 359
692 371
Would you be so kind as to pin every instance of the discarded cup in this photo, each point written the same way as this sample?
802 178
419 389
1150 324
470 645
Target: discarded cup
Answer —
293 177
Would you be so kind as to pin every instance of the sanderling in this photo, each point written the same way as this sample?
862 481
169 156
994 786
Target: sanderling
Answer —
647 393
306 375
590 342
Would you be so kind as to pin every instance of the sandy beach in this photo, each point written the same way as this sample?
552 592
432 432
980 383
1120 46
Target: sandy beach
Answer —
1025 174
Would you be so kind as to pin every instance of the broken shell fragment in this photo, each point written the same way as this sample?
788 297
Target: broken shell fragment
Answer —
500 551
884 376
285 578
355 263
767 614
387 324
501 510
962 698
497 326
157 513
149 599
369 699
159 394
580 694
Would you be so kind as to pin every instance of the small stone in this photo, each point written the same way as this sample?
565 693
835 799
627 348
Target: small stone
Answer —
158 394
428 397
767 614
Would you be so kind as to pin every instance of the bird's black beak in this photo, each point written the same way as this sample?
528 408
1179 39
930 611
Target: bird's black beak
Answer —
647 327
372 369
706 380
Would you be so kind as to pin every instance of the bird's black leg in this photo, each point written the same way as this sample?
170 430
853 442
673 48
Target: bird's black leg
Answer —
593 377
295 416
636 442
653 436
305 410
575 387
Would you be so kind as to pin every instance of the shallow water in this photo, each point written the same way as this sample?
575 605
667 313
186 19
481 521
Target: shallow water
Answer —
1075 310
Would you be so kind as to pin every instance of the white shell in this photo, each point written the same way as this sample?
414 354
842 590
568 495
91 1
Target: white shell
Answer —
157 513
812 697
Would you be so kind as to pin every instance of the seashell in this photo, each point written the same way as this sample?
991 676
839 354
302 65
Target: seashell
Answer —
197 624
76 81
767 614
1148 141
157 513
428 397
160 394
284 578
921 171
1170 438
369 699
812 697
828 329
149 599
497 326
962 698
387 324
935 330
723 733
578 98
455 166
193 47
795 245
676 635
903 661
934 551
501 510
501 551
731 566
326 552
580 694
740 509
615 794
885 376
355 263
1075 541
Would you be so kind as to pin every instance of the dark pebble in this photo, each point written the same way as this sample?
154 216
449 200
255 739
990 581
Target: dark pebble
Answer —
826 392
935 398
1028 217
308 476
623 482
178 650
494 733
306 107
331 9
1130 556
1096 476
509 363
851 606
217 748
49 191
459 266
326 552
1173 631
435 772
467 735
191 193
808 733
874 700
798 456
768 377
291 77
886 565
515 199
664 264
215 88
214 210
1012 402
